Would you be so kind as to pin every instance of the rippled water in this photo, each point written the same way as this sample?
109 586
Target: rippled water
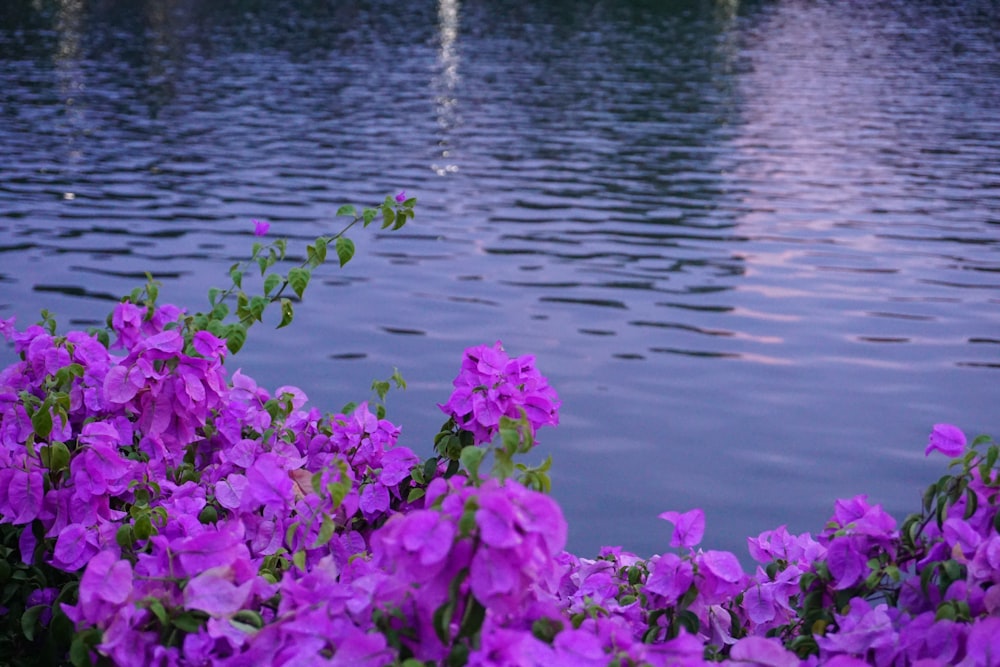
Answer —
755 246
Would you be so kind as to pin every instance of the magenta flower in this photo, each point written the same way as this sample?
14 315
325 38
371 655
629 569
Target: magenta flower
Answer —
689 527
401 197
215 592
492 385
105 586
670 577
261 227
947 439
763 651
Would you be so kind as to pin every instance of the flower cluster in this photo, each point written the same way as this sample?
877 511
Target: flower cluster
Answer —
156 509
491 386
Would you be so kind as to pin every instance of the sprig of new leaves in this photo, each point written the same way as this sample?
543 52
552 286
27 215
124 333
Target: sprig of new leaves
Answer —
394 212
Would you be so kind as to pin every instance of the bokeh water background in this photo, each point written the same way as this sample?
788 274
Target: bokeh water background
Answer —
754 245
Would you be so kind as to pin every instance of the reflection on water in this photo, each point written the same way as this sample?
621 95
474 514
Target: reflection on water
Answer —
445 103
753 244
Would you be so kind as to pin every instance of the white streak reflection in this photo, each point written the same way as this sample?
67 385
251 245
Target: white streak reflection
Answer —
67 57
445 104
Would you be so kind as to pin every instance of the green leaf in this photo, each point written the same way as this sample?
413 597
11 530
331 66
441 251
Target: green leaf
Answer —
237 277
345 249
236 336
124 536
442 622
213 294
144 527
58 455
980 440
79 650
347 209
688 620
219 312
431 466
398 379
381 388
290 532
159 611
986 467
942 506
66 374
271 283
928 499
29 620
467 522
953 571
249 617
910 530
971 503
41 421
471 458
298 279
369 215
316 481
388 216
415 494
945 612
208 514
804 646
472 619
257 306
338 490
287 313
320 249
189 621
325 532
102 336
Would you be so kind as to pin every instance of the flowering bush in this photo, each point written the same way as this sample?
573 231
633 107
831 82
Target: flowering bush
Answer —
156 509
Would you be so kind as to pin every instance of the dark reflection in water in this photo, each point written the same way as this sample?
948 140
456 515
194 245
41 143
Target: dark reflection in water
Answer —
754 245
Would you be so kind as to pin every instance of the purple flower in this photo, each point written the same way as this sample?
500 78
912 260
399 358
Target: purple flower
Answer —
491 385
74 548
689 527
983 643
401 197
670 577
860 629
215 592
7 329
261 227
106 585
763 651
947 439
847 560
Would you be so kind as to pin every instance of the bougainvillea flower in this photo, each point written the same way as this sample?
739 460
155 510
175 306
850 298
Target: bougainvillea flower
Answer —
947 439
763 651
261 227
689 527
670 577
214 592
491 385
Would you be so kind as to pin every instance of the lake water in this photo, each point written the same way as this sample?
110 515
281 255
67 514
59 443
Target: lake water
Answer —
755 246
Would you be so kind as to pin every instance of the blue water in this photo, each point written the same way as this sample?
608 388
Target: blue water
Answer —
755 246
